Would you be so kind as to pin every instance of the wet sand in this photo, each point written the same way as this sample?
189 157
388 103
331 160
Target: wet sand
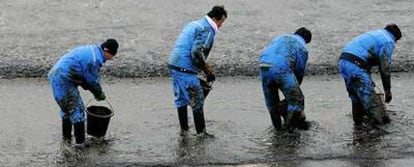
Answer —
144 129
36 33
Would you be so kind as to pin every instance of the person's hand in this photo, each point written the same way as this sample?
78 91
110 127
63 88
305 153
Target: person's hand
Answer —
388 96
210 77
100 97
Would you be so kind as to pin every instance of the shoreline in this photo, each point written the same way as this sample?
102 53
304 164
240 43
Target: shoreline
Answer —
146 71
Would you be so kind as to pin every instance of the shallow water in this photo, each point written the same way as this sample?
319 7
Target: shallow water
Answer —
144 129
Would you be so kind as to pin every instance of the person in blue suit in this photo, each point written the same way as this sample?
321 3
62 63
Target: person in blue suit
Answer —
282 67
186 59
78 67
373 48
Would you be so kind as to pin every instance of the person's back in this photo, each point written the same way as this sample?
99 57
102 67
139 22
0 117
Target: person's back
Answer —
79 64
283 51
78 67
373 48
183 44
282 67
187 58
371 45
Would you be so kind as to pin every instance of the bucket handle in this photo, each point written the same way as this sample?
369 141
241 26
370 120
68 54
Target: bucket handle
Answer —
95 115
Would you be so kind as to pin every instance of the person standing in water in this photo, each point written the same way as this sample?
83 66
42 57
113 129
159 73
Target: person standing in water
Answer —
79 67
282 67
186 59
373 48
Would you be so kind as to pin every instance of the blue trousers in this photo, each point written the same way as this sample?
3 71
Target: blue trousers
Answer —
359 84
66 95
274 79
187 90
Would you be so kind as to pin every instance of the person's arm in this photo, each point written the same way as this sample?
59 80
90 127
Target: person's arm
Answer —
207 51
301 59
384 68
198 51
92 81
91 75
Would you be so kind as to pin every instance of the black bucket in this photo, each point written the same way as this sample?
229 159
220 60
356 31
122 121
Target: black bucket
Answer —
98 120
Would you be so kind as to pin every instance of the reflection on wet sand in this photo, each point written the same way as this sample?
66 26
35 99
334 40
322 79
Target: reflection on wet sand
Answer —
367 146
193 150
67 154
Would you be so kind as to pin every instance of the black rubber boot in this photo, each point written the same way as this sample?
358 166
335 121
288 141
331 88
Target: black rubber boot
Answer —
357 113
80 134
387 119
200 123
291 122
182 117
377 115
283 109
276 120
67 130
301 122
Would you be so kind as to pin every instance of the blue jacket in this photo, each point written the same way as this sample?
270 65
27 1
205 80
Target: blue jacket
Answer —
375 47
193 46
80 66
287 52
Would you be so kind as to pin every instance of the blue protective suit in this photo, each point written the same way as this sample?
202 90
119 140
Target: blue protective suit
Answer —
78 67
189 53
282 67
375 49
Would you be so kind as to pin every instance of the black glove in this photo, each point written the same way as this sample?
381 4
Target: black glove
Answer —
210 77
100 97
388 96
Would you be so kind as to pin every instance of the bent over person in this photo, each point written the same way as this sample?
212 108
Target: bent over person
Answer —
187 58
79 67
373 48
282 67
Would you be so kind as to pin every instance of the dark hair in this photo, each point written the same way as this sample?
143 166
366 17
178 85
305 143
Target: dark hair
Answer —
394 30
304 33
110 46
217 12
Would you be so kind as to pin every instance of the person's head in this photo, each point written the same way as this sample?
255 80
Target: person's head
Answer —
304 33
218 14
110 47
394 30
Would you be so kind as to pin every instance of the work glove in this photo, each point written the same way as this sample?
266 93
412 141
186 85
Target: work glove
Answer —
210 77
388 96
100 97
